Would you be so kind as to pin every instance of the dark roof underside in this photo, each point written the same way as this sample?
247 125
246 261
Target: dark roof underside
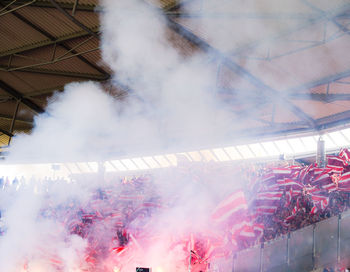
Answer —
295 77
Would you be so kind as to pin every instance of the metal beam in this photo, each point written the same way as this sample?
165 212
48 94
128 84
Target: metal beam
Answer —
98 77
74 9
71 18
194 39
319 82
177 4
43 63
324 13
64 5
9 118
335 13
47 42
6 132
322 97
47 91
66 47
11 91
236 96
12 126
233 15
29 95
45 33
334 120
16 8
53 39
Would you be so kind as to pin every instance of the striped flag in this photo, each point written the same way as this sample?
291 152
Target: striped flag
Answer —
320 201
281 171
266 209
314 210
345 155
344 182
268 202
323 178
304 173
235 203
291 184
336 161
330 187
248 232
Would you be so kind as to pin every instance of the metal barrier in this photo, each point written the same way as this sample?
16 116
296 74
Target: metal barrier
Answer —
326 243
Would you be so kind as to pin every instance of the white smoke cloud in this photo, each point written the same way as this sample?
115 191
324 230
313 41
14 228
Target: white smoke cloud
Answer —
173 104
179 92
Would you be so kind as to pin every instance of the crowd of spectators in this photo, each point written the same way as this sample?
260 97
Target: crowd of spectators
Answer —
280 199
278 224
285 198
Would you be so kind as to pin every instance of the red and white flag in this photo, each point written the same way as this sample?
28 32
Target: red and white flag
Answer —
235 203
344 182
345 155
320 201
291 184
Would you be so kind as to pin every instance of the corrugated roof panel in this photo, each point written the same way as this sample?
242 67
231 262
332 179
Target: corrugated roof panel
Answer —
27 83
7 108
56 23
16 82
304 67
271 74
21 127
50 20
81 2
89 19
25 113
317 89
4 139
249 7
71 64
283 115
4 61
340 87
5 124
318 109
15 34
83 43
298 69
228 34
327 5
95 57
184 47
228 79
163 3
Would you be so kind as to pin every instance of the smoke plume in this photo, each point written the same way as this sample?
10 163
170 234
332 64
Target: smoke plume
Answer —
171 103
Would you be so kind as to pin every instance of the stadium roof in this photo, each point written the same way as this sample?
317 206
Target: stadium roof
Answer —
293 77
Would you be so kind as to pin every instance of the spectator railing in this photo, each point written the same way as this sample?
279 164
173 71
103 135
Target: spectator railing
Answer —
324 244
